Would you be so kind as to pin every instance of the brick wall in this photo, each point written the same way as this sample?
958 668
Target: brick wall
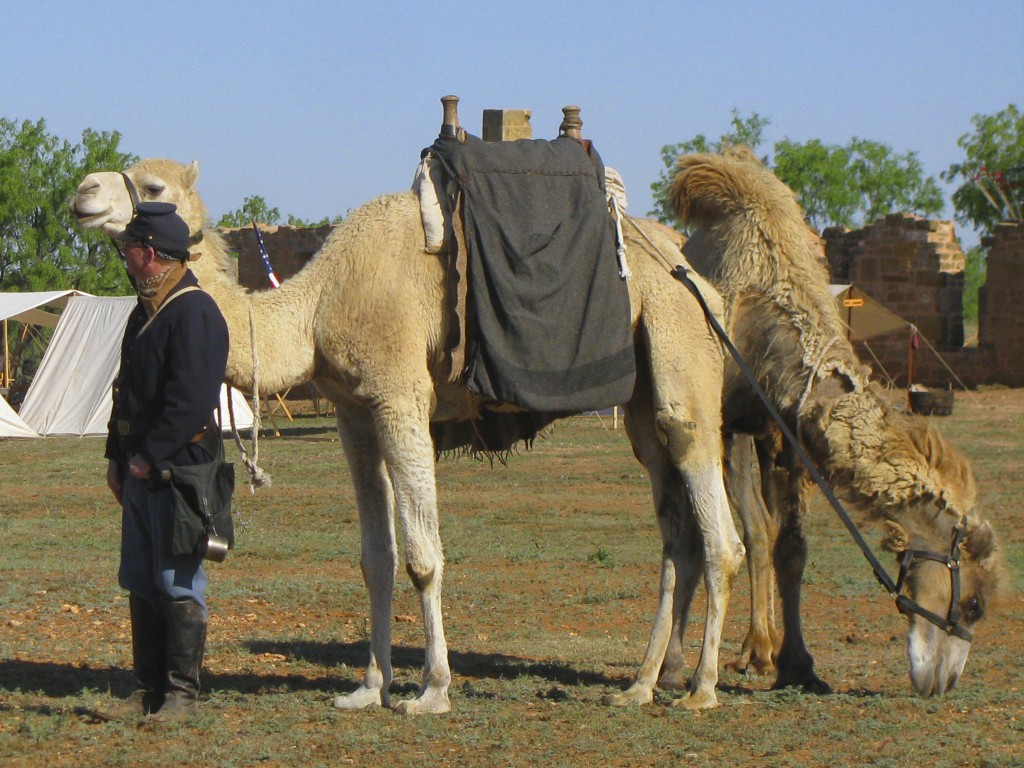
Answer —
914 267
289 248
1001 304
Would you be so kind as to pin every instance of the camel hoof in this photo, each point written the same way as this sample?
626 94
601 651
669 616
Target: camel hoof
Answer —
751 666
697 700
429 703
361 698
675 681
629 697
813 685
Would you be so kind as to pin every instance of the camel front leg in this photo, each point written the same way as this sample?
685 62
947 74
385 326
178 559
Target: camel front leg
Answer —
409 455
378 554
795 664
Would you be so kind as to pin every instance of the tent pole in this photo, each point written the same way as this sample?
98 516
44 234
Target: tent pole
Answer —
910 363
7 359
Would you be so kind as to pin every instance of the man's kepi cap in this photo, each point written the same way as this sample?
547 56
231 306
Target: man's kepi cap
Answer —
157 225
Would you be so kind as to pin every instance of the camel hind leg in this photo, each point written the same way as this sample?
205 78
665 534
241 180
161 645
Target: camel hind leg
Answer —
676 432
749 497
681 561
795 664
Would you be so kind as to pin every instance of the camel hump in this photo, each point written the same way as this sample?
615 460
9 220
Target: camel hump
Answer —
708 188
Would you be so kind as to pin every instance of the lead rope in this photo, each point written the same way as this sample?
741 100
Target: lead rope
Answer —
260 478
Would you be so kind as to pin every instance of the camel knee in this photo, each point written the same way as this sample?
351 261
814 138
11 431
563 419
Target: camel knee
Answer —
422 576
677 434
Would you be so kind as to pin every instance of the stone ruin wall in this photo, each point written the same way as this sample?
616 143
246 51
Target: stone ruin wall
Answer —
914 267
1001 303
289 248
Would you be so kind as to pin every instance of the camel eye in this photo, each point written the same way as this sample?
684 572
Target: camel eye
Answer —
154 190
973 610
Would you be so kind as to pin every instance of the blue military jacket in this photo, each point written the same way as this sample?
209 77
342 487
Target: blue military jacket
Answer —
169 382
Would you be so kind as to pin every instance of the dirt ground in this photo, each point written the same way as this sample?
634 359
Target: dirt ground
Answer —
550 587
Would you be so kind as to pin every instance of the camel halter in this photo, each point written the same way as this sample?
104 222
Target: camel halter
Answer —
905 605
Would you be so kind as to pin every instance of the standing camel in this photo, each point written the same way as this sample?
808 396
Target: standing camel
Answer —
751 242
364 321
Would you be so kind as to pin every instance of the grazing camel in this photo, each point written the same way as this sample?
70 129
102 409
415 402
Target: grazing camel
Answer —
750 241
364 321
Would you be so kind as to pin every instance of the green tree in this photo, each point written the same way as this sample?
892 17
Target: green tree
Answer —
819 174
857 184
974 277
992 175
744 130
845 186
253 208
295 221
40 248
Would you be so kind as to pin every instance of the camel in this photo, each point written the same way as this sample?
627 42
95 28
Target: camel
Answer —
364 321
751 242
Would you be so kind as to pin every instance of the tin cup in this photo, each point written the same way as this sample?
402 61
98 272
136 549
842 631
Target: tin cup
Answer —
214 548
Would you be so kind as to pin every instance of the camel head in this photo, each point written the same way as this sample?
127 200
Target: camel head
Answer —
103 201
940 518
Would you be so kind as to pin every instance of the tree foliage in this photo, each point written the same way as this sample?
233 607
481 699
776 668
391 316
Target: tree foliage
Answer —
295 221
744 130
40 248
992 175
256 209
843 186
975 276
857 184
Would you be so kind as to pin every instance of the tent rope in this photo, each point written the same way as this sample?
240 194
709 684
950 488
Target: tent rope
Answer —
946 366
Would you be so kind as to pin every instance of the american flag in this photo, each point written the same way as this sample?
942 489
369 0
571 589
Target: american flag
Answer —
271 275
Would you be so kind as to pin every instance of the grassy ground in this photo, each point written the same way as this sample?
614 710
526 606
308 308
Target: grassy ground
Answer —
549 592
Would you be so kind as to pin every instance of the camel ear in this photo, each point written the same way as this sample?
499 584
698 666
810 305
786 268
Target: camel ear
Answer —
896 538
192 174
980 542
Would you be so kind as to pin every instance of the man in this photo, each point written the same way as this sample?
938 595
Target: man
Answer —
173 357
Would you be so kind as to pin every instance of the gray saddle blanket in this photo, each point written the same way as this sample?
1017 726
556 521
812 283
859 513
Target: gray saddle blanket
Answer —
547 315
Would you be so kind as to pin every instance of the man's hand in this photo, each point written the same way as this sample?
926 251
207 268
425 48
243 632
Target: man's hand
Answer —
140 467
114 480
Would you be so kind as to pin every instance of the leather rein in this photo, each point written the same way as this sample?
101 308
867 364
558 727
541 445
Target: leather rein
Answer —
904 604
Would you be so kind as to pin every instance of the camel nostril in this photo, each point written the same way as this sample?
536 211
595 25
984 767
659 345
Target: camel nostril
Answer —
88 187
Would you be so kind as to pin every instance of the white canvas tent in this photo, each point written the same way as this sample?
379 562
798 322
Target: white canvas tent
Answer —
29 307
11 424
70 394
865 316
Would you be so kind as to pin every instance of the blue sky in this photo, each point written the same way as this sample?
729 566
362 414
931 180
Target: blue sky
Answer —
320 106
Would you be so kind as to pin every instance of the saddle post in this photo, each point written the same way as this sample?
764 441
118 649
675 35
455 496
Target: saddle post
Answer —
572 125
450 120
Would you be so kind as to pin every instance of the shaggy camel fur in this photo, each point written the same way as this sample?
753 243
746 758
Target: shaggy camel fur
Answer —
752 243
364 322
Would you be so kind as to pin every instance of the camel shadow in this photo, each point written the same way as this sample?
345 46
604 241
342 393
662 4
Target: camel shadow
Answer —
497 666
57 680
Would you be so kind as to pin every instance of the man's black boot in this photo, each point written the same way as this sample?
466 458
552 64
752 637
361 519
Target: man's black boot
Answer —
186 641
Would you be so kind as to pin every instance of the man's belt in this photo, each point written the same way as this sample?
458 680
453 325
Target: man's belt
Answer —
130 428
